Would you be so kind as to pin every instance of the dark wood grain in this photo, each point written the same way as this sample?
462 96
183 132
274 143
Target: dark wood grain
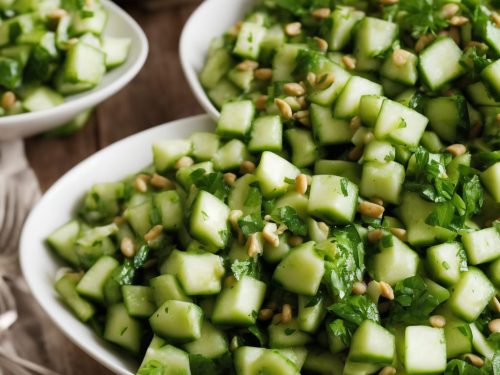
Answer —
157 95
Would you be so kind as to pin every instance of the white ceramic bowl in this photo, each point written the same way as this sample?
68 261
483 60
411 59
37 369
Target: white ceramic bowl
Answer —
120 24
58 205
211 19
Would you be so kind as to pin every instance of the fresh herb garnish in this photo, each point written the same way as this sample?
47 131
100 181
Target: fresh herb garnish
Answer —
251 223
248 267
211 182
288 216
356 309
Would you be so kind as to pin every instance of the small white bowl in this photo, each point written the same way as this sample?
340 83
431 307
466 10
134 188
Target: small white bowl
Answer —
211 19
120 24
58 205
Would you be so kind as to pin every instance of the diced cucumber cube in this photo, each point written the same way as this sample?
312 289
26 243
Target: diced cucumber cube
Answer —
446 262
253 361
116 50
171 209
167 152
284 62
66 288
327 96
342 168
236 119
395 262
102 202
241 78
494 272
178 321
10 73
123 330
482 246
165 288
41 98
287 335
275 254
84 64
491 181
440 63
216 67
405 73
369 108
139 300
425 350
480 343
327 130
266 135
347 104
471 294
344 19
211 344
172 359
199 273
457 333
304 149
294 200
323 362
371 343
359 368
446 115
63 241
439 292
92 283
139 217
311 314
244 357
400 124
209 220
297 355
383 180
272 174
249 40
431 141
239 304
94 24
301 270
382 152
244 196
183 175
204 145
231 155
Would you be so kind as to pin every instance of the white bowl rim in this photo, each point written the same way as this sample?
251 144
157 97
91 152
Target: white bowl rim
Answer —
95 352
106 91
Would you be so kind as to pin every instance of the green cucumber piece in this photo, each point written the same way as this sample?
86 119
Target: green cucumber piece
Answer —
266 134
395 262
347 104
167 152
165 288
328 130
123 330
287 335
249 40
382 180
211 344
273 172
92 283
178 321
371 343
139 300
63 241
425 350
482 246
446 262
204 145
66 288
236 119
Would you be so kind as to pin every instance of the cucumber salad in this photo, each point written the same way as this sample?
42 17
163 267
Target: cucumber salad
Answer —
50 49
342 218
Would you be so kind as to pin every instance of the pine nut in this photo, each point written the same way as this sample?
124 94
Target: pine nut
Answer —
261 102
355 153
371 209
127 247
269 234
281 229
355 123
325 81
321 44
359 288
246 65
311 78
386 290
293 89
293 29
184 162
458 20
449 10
474 360
368 138
161 182
375 236
295 241
495 304
423 42
456 149
377 200
89 3
496 18
302 117
284 108
153 233
400 233
141 183
437 321
234 216
324 228
388 370
400 57
8 100
263 74
253 246
265 314
321 13
302 102
388 2
301 184
247 166
276 319
293 102
349 62
286 313
494 326
229 178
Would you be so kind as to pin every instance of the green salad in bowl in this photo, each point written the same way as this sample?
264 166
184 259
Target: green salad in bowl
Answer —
50 49
346 223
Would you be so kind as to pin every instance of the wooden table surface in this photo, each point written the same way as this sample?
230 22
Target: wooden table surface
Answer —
157 95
